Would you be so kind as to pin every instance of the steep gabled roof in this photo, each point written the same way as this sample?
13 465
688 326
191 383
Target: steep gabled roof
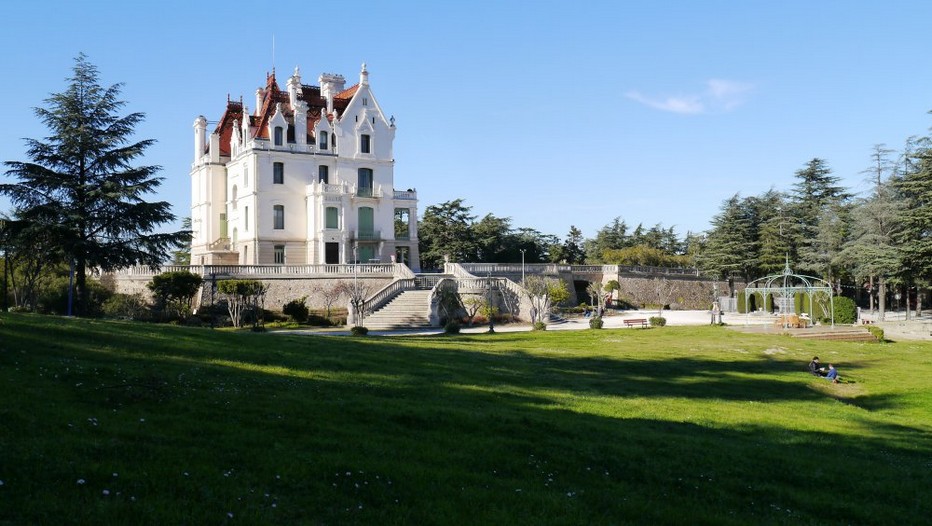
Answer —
272 95
234 112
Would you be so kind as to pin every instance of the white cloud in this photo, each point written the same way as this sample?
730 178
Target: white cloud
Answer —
718 95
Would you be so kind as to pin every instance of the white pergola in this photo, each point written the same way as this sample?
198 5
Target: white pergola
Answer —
783 288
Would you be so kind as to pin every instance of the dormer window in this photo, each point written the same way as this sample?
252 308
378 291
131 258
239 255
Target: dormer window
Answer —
365 143
279 132
323 140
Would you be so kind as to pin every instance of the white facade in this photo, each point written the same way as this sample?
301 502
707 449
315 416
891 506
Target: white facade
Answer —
306 178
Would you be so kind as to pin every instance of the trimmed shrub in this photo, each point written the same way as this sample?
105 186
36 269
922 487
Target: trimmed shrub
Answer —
451 327
876 331
596 322
539 326
657 321
297 309
359 331
845 310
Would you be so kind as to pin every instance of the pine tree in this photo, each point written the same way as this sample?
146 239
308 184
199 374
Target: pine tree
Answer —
729 247
81 186
815 193
915 235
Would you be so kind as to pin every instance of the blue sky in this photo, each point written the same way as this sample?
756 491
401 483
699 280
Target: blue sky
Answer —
551 113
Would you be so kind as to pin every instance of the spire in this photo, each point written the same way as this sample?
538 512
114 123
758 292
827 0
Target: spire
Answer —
363 76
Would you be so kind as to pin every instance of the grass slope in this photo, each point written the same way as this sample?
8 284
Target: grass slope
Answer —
119 423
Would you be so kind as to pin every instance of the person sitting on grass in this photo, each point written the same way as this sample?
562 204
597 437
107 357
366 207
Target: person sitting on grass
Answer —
815 368
832 374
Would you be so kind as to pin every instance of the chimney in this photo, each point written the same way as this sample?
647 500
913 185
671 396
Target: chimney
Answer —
330 85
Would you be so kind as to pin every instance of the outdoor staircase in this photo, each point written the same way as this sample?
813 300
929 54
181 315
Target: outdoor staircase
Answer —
408 310
847 334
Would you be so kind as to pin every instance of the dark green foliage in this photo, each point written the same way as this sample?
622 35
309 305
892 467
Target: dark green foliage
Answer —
81 188
657 321
173 292
451 327
742 303
53 298
845 310
125 306
915 236
358 330
539 326
297 309
444 230
596 322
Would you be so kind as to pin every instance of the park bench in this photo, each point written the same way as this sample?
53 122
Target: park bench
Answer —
635 321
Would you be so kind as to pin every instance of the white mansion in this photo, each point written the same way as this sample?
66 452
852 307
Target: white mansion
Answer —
305 179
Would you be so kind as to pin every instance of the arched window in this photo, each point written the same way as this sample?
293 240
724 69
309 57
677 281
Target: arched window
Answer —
278 217
323 140
278 135
323 174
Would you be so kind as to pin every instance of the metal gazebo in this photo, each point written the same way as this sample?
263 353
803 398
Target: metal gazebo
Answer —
783 288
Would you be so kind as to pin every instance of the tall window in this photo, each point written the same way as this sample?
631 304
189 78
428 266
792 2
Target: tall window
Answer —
223 225
323 174
402 218
246 176
278 217
279 254
366 223
365 182
278 135
333 217
278 173
364 143
323 140
233 194
246 219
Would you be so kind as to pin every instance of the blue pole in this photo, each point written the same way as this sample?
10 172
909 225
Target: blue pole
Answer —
70 287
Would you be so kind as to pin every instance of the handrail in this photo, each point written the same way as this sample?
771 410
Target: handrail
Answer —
387 292
342 269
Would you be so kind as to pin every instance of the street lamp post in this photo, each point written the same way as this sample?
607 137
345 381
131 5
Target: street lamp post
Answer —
355 285
522 266
491 322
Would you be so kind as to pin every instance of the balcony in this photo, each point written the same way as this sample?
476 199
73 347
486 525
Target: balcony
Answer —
368 235
409 195
368 192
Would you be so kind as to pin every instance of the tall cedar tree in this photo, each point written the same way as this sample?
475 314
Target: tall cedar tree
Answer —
915 236
815 194
81 185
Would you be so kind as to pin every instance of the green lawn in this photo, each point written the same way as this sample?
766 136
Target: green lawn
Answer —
125 423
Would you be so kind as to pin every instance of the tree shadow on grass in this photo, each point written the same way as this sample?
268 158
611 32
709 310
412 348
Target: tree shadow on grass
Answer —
461 437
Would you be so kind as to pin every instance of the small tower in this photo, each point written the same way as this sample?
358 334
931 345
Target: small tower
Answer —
200 137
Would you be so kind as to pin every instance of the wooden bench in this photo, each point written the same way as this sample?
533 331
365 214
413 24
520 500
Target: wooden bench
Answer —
635 321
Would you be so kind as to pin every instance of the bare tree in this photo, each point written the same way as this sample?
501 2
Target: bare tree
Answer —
357 292
330 293
663 290
472 305
544 293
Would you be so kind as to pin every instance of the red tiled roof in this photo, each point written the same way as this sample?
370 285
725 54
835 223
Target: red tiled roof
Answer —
347 93
271 97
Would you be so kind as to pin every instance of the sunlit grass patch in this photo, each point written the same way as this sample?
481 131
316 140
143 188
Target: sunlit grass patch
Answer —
675 425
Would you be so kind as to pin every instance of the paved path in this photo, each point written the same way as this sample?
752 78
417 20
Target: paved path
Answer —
916 329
